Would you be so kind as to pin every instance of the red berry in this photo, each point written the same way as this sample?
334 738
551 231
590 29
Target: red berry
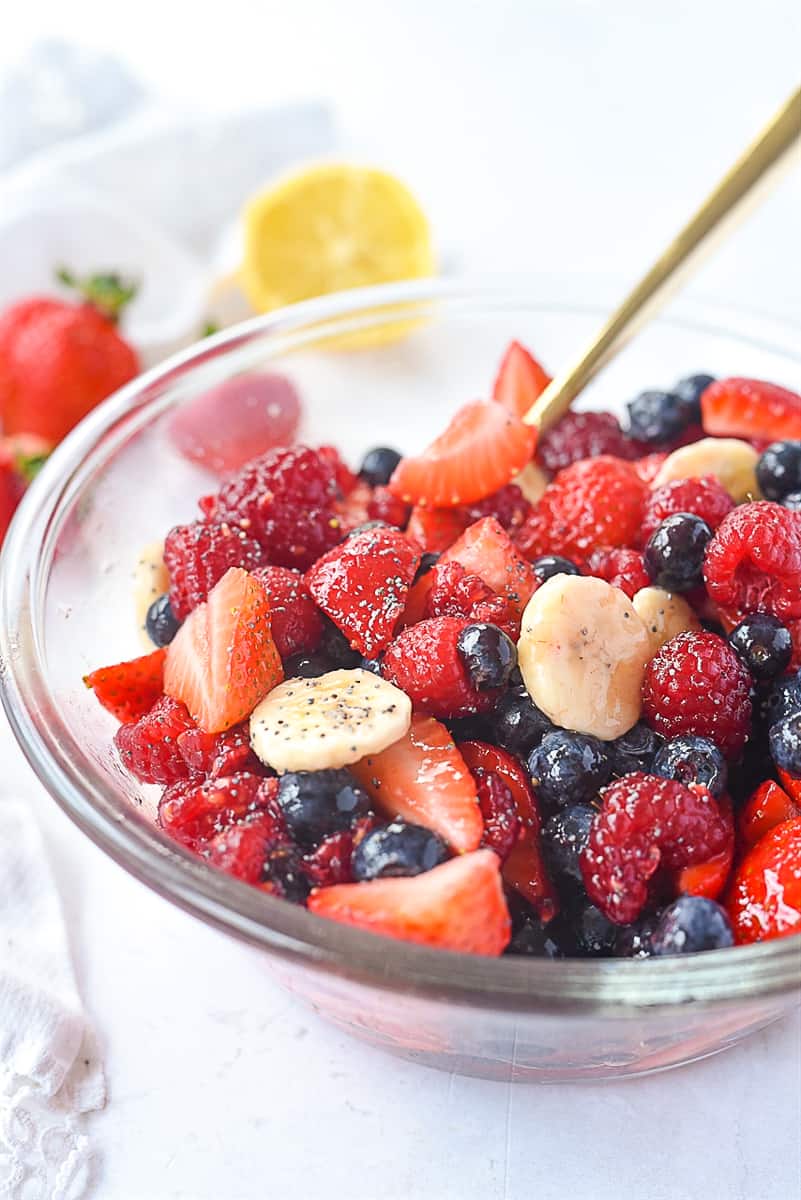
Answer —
705 498
285 500
709 878
769 806
508 506
624 569
12 486
485 549
423 661
435 529
149 747
354 509
218 754
585 435
697 684
384 506
597 502
241 849
198 555
795 633
521 380
196 811
753 563
455 593
329 863
648 467
501 823
295 620
346 480
765 897
646 823
129 689
362 585
750 408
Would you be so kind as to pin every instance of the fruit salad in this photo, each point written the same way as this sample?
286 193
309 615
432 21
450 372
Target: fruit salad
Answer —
509 695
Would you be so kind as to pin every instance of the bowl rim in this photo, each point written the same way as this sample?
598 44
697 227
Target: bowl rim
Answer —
616 986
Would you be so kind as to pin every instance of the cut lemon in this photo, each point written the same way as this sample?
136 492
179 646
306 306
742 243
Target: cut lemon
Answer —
328 228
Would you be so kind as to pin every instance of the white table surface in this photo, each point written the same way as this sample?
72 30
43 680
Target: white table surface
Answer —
554 135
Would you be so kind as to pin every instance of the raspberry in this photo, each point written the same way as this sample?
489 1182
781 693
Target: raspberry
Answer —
285 500
194 812
508 506
329 863
795 634
705 498
198 555
765 897
295 621
595 502
424 662
345 479
646 823
585 435
501 822
241 850
149 747
753 563
218 754
383 506
454 592
624 569
697 684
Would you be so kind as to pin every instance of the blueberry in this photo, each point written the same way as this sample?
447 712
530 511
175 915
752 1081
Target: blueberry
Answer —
161 622
792 501
690 924
427 561
398 849
564 836
584 931
764 645
535 940
674 554
282 868
518 725
781 700
475 728
567 768
635 750
306 666
692 759
316 803
335 647
657 416
371 664
553 564
779 469
785 744
489 655
689 390
378 465
634 941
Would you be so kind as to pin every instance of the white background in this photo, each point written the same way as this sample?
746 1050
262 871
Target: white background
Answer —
548 135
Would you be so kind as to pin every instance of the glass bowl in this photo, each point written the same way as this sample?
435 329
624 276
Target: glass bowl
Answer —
66 606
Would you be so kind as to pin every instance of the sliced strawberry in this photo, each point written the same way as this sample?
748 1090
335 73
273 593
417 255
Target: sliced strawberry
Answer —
458 905
423 778
223 660
710 878
482 449
237 420
362 585
485 549
791 786
521 380
769 806
129 689
416 601
524 868
750 408
435 529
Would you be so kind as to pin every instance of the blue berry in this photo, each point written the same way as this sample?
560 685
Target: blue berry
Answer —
692 759
397 849
371 664
634 941
779 470
535 940
690 924
584 931
489 655
674 555
635 750
306 666
553 564
792 501
335 647
427 561
518 725
764 644
282 868
568 768
782 700
785 744
316 803
564 836
161 622
378 465
658 417
689 390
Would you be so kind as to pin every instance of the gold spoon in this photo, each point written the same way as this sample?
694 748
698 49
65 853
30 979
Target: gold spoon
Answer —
748 181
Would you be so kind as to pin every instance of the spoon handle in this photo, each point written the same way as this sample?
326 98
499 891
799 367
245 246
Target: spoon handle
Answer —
743 186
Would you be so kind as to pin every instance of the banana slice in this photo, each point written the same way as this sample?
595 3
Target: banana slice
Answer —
330 721
732 461
583 651
664 614
151 580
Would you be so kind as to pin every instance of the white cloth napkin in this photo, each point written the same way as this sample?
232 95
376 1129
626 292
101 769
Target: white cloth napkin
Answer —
50 1069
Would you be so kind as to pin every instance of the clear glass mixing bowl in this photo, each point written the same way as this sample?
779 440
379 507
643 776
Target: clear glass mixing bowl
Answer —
66 605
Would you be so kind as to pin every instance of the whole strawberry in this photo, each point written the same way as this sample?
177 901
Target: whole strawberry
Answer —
20 459
59 359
